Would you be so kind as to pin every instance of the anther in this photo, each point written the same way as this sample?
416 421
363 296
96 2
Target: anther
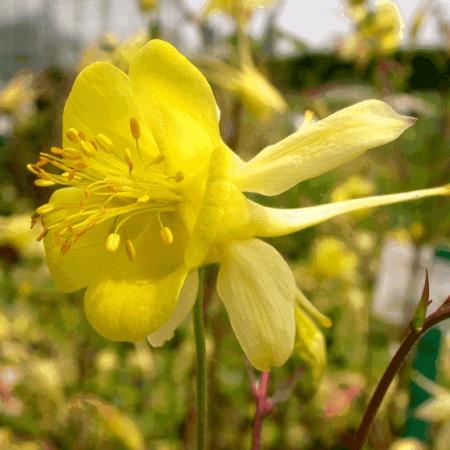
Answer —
131 252
42 235
32 169
128 159
179 177
71 153
87 148
135 129
81 136
42 162
57 150
34 220
44 183
65 247
45 209
166 235
73 135
104 142
160 158
143 199
112 242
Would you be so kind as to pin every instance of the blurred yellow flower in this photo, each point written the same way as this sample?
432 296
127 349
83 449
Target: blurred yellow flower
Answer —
378 32
18 94
239 9
15 232
354 187
256 92
438 408
148 5
407 444
331 258
152 193
111 50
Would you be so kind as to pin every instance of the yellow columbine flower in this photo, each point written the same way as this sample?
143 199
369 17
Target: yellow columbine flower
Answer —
148 5
18 94
331 258
437 409
239 9
256 92
152 193
111 50
379 32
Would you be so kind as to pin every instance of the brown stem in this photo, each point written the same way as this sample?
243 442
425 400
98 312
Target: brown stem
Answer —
397 361
263 407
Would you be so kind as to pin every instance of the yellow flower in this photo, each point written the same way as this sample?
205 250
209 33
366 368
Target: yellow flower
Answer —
239 9
256 92
109 49
332 259
354 187
407 444
15 231
18 94
379 32
152 193
437 409
148 5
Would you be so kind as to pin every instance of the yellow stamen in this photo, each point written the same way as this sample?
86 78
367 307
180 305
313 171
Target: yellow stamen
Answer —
57 150
81 135
72 135
128 159
71 153
160 158
179 177
65 247
45 209
42 235
135 129
87 148
112 242
143 199
32 169
131 252
44 183
34 220
166 235
104 142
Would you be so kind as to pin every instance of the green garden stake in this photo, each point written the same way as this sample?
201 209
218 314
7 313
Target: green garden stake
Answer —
426 363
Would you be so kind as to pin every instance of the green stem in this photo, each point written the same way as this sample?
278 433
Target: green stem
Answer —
200 348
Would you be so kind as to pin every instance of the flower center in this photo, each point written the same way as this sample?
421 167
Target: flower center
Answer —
118 185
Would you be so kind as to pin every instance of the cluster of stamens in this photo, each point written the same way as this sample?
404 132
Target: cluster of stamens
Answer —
116 189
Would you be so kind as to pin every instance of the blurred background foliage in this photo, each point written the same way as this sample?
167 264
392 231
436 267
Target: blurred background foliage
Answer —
64 387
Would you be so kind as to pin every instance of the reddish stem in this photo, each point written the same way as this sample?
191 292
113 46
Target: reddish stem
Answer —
263 408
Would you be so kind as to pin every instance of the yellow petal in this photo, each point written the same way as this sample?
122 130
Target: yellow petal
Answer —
213 207
258 290
101 102
184 305
321 147
126 308
268 222
178 105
